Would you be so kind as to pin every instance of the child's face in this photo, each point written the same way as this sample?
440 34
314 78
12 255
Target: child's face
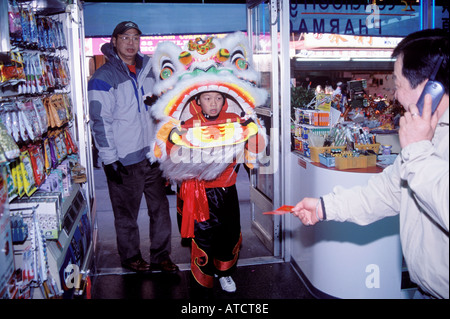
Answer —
211 103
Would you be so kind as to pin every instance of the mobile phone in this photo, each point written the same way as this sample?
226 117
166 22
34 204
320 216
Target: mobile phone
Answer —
434 88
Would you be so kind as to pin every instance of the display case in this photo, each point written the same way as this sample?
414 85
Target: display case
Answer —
343 260
45 149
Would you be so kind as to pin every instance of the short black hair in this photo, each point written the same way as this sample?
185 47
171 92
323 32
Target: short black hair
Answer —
421 51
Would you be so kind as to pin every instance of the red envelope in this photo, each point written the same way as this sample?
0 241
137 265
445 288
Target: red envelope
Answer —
280 211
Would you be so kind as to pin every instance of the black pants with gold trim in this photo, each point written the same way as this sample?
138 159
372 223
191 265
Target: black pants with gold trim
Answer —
215 248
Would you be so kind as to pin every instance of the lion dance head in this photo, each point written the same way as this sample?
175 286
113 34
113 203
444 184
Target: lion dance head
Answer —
188 148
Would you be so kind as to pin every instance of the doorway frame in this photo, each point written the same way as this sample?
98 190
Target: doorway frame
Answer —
280 137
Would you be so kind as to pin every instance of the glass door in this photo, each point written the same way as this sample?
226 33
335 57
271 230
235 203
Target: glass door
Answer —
265 190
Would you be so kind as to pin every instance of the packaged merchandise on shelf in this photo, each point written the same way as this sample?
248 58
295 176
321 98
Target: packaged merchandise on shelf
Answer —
12 72
28 30
355 159
33 257
351 133
350 136
37 61
314 134
26 122
312 117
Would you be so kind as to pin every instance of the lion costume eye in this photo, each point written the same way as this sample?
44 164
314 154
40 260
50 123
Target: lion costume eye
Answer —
166 73
241 64
167 70
239 60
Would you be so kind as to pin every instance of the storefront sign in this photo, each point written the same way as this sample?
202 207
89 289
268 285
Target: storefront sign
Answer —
148 43
381 18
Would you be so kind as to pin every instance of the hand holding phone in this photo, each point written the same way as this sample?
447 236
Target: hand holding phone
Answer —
434 88
414 127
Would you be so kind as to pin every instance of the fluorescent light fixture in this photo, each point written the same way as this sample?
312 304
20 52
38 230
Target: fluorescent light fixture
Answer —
373 59
322 59
345 59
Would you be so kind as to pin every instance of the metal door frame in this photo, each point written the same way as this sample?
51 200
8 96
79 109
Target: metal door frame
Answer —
279 66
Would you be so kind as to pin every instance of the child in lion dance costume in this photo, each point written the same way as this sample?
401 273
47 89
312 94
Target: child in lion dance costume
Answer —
207 125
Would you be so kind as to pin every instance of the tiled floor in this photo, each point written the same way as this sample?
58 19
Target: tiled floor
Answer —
258 276
264 281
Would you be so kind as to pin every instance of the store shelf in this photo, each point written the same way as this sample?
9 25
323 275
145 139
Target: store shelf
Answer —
72 242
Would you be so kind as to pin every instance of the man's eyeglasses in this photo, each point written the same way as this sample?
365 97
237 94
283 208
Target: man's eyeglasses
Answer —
128 38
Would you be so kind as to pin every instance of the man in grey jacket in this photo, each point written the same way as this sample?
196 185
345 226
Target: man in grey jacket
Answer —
123 131
416 186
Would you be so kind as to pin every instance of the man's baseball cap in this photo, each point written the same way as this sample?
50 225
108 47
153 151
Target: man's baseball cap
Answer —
124 26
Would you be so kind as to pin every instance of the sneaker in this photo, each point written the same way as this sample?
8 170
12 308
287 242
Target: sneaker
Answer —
227 284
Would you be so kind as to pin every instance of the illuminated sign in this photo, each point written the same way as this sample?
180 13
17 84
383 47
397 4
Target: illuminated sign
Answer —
148 43
380 18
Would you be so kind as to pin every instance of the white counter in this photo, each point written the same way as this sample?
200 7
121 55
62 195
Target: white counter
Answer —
342 260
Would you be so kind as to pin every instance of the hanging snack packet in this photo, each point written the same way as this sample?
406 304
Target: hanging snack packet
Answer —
22 123
57 110
41 114
37 162
40 81
13 71
12 186
68 105
25 25
46 102
70 141
43 62
8 148
63 149
29 126
66 141
53 156
47 156
33 120
27 173
15 26
15 124
6 116
16 173
57 147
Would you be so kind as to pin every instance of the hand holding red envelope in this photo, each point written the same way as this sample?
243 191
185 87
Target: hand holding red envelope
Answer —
280 211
